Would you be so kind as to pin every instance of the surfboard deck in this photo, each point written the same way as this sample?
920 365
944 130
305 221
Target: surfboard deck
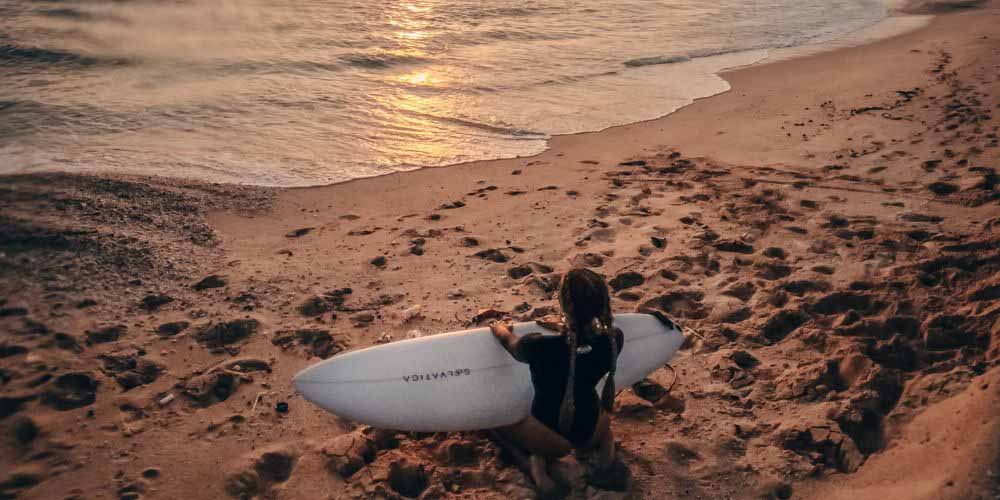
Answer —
462 380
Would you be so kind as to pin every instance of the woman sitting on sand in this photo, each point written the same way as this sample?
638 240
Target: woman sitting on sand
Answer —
566 413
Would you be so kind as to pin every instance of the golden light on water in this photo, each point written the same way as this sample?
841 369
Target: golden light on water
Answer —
417 78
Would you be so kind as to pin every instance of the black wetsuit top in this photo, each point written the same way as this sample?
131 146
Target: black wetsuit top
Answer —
548 357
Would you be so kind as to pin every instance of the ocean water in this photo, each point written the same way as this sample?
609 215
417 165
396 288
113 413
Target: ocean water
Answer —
298 93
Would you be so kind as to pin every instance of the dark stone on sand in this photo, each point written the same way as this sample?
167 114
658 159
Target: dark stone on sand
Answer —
71 390
319 343
841 302
782 324
298 233
658 242
897 353
13 311
85 303
10 405
11 485
942 188
154 301
459 452
362 319
625 280
275 465
744 359
865 233
775 253
213 281
8 350
916 217
518 272
844 234
837 221
947 331
827 270
172 328
735 246
315 306
151 473
469 241
408 479
417 250
24 430
773 271
633 163
987 292
649 390
129 368
521 271
379 261
225 333
736 316
452 205
742 290
32 326
281 407
105 334
492 254
630 296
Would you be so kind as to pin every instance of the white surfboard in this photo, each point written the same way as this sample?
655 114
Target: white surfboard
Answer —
462 380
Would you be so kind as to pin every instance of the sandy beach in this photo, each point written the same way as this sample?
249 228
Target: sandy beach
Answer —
828 232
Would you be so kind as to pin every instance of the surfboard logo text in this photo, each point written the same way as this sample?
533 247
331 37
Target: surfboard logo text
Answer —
430 377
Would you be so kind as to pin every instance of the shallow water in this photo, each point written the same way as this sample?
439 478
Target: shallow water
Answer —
307 93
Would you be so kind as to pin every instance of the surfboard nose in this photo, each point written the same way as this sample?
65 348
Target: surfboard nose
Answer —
301 377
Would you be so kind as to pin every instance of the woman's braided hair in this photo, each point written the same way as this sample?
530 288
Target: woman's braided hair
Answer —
586 307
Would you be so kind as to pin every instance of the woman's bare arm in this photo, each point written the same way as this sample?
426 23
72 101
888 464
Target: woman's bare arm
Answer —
502 331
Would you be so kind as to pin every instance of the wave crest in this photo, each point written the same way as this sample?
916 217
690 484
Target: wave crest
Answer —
15 54
381 60
654 60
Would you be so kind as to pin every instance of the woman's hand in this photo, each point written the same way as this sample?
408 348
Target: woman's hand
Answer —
501 328
503 332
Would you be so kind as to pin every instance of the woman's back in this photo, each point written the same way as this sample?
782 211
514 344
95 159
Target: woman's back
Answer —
548 358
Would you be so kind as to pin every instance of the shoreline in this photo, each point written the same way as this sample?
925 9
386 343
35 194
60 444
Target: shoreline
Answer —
854 39
783 55
830 226
880 30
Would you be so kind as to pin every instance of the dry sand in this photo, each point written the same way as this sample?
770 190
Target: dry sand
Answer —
830 229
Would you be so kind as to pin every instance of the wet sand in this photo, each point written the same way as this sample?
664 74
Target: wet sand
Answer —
828 231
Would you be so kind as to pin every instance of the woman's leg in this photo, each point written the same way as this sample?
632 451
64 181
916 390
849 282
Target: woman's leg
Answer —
535 438
540 443
603 441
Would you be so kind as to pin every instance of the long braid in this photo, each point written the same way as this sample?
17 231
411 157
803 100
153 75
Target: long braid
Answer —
607 327
567 409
